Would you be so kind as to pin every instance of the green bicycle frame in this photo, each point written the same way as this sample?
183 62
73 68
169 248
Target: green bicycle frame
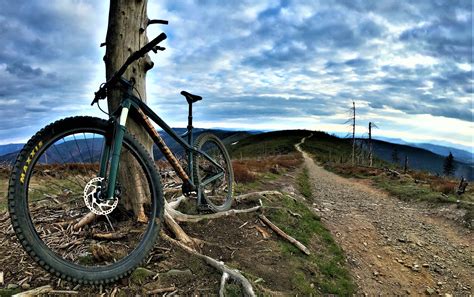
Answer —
130 102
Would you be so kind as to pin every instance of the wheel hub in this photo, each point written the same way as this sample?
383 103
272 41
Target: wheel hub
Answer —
92 192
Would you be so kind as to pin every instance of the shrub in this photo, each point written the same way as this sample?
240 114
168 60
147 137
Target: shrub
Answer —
242 174
445 187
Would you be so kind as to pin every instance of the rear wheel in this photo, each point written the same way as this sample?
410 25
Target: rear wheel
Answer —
218 193
56 182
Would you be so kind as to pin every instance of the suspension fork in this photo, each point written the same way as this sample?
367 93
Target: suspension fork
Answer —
117 141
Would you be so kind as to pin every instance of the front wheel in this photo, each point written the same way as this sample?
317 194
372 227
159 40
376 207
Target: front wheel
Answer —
213 173
59 179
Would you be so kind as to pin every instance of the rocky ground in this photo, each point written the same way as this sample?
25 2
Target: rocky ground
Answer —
393 247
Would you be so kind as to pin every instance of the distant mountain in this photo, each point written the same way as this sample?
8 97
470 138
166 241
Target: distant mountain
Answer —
460 155
228 137
421 158
10 148
84 150
460 152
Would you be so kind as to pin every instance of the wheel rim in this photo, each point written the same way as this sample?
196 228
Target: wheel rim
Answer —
55 193
217 192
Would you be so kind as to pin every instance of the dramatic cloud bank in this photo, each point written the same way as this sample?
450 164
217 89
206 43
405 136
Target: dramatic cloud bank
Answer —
258 64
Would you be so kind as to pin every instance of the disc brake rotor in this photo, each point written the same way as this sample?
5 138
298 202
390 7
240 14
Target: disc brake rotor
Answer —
92 190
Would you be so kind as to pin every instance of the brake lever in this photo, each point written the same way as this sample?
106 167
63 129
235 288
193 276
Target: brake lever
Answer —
158 48
100 94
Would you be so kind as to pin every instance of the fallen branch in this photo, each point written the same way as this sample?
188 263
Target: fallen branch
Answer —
66 245
261 194
262 231
177 230
161 290
175 204
280 232
35 292
108 236
63 292
182 217
86 220
233 273
224 278
5 217
393 172
295 214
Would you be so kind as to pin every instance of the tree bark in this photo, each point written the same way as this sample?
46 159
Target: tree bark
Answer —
126 33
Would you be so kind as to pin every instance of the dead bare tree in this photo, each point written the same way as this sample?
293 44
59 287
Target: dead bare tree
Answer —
352 123
371 125
353 131
405 166
126 33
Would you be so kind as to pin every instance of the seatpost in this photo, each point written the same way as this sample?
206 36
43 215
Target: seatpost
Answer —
190 141
190 123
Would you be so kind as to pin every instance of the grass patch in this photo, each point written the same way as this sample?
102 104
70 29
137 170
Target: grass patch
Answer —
325 267
405 189
140 275
3 192
9 292
304 185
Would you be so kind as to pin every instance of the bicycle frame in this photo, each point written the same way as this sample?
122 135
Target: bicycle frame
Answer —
131 102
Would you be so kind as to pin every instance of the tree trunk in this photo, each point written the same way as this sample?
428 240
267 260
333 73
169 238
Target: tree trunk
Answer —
126 33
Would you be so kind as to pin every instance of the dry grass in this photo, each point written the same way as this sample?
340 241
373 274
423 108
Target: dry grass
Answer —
242 174
248 170
445 186
355 171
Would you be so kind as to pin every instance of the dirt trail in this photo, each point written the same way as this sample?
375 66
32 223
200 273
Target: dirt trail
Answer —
392 247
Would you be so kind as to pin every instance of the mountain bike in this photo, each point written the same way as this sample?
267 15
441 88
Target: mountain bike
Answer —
85 168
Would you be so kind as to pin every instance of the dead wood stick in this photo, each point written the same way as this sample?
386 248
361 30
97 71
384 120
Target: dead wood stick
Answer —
182 217
280 232
177 230
261 193
161 290
64 224
64 292
86 220
224 278
5 217
233 273
174 204
393 172
262 231
108 236
35 292
66 245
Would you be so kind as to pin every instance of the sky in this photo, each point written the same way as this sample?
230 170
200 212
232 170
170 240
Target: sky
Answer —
260 65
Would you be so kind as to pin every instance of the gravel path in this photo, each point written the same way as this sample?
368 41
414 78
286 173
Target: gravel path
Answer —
392 247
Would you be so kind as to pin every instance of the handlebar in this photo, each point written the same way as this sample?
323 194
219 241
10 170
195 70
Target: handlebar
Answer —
152 45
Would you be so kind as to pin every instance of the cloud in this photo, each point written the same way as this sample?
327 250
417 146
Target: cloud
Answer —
253 61
23 71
